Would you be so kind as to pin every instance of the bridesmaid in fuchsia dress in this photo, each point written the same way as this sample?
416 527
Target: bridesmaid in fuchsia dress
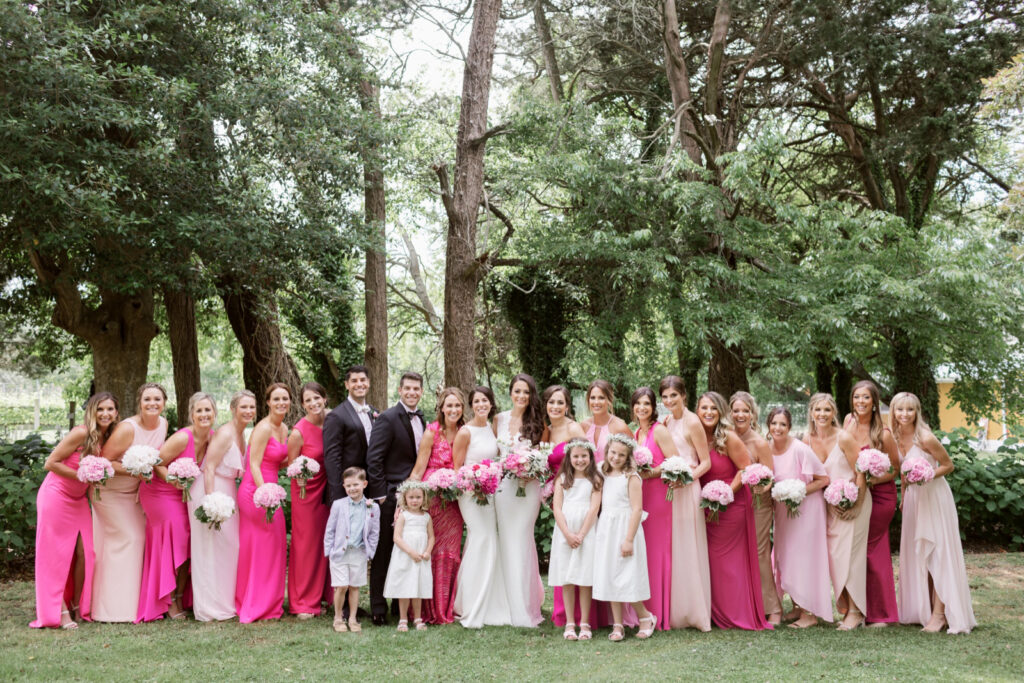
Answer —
262 545
308 582
736 600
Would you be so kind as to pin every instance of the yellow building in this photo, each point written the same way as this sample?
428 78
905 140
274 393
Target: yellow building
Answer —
994 428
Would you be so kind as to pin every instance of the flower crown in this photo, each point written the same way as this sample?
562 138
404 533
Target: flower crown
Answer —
579 443
409 484
626 441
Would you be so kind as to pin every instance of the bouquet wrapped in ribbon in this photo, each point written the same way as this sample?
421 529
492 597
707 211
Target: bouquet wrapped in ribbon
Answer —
480 480
303 468
716 496
215 509
269 497
791 492
675 469
184 471
93 469
524 463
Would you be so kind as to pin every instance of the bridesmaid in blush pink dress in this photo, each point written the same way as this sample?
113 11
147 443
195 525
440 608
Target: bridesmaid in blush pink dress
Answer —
658 526
732 543
263 546
801 546
64 552
165 570
435 453
215 551
602 423
691 575
118 523
308 582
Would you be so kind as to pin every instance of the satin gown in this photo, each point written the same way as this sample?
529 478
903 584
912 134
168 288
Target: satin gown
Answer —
480 596
658 536
215 553
801 544
930 547
62 515
308 580
691 574
517 551
167 541
119 536
262 547
880 582
848 539
447 553
732 556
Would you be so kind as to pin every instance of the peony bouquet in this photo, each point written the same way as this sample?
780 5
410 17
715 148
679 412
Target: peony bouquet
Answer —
139 460
215 509
675 469
442 483
842 493
303 468
873 463
480 480
93 469
644 458
183 471
757 475
715 496
791 492
917 470
524 463
269 497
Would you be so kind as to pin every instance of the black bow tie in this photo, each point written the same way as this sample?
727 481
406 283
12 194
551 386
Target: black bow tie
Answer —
418 413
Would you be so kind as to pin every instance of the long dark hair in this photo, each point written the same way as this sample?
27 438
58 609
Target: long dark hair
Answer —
486 393
566 473
551 391
635 398
533 417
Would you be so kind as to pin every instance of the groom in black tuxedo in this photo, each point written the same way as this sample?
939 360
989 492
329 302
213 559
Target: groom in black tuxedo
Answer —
347 431
389 461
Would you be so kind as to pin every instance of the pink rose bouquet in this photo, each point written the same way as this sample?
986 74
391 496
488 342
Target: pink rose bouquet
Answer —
716 496
917 471
644 458
442 483
675 469
842 493
269 497
757 475
183 471
302 469
480 480
873 463
93 469
524 463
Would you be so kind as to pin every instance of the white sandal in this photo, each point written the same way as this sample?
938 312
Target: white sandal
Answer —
647 632
570 631
617 634
71 625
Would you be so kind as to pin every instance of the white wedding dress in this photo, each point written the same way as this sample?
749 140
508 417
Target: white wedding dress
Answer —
480 598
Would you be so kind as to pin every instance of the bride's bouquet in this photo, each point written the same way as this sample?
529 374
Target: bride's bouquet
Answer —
480 480
139 460
791 492
675 469
756 475
524 463
184 471
93 469
215 509
442 483
303 468
873 463
269 497
716 496
842 493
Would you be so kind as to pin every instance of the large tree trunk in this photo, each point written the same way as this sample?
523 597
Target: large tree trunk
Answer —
547 46
253 319
462 200
727 371
689 359
181 330
912 372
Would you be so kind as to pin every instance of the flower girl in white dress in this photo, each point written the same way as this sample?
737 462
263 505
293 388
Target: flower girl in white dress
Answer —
409 576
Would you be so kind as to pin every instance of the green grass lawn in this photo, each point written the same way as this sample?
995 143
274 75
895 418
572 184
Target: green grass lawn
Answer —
310 650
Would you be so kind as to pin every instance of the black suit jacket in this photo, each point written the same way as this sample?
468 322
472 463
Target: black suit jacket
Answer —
344 447
391 454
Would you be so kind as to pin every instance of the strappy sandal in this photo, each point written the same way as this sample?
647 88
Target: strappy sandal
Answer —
585 633
403 626
72 624
570 631
617 633
420 626
176 616
354 626
647 632
340 626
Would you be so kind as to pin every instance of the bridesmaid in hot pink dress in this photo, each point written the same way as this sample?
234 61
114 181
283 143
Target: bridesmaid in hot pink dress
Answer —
435 453
64 552
801 544
732 540
602 423
165 569
262 546
866 427
308 582
658 526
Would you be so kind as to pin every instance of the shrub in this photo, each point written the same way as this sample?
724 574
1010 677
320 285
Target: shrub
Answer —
21 473
542 531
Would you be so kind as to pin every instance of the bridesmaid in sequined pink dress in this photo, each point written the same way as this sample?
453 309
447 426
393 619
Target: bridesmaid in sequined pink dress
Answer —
602 423
435 453
732 540
866 427
308 583
262 546
64 552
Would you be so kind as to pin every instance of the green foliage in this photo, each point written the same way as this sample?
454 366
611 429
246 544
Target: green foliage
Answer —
24 415
542 532
21 473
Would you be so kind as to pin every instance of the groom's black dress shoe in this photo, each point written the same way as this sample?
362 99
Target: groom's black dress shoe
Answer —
380 620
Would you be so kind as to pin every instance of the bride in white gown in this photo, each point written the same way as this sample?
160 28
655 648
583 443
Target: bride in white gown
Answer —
480 596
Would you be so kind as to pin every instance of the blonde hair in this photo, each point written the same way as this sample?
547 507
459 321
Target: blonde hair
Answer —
409 485
194 400
812 427
921 427
724 420
751 402
630 445
237 398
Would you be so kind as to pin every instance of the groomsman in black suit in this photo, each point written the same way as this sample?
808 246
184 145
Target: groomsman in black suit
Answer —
389 461
347 431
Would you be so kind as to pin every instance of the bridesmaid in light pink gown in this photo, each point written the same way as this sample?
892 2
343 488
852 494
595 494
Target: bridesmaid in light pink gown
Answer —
691 574
934 590
64 551
602 423
308 582
658 526
118 523
259 591
732 543
801 546
165 570
215 552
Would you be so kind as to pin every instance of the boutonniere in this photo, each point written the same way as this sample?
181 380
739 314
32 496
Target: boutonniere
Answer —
369 504
374 414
